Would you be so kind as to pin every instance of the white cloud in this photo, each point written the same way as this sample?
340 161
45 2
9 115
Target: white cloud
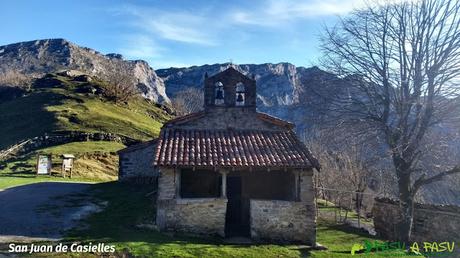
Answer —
140 46
154 28
176 26
145 48
280 12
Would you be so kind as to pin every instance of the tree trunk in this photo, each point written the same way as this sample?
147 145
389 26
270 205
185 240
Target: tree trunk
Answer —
406 205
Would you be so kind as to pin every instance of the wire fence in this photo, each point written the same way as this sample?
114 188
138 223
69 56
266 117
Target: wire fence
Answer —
344 206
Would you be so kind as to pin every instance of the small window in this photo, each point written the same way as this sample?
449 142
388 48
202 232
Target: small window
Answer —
219 96
200 183
240 90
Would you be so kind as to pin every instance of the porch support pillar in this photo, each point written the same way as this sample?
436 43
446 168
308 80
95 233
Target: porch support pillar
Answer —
297 185
224 183
177 182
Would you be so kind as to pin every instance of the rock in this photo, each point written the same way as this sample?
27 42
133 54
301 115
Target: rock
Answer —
319 246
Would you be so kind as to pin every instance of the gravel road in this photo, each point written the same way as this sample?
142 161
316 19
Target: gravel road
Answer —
42 211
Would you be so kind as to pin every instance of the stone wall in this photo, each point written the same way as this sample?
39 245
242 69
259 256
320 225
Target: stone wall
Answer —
138 164
270 220
198 216
229 78
283 221
166 184
307 191
62 137
223 118
432 223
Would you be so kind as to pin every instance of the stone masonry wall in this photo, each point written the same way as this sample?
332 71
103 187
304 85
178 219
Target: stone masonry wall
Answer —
283 221
199 216
272 220
222 118
62 137
137 164
307 192
166 184
432 223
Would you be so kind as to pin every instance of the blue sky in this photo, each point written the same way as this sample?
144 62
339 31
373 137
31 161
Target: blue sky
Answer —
180 33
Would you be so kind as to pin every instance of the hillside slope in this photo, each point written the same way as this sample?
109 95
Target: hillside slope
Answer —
60 107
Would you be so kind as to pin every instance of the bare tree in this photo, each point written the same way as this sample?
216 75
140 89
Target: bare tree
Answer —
188 100
120 84
346 170
404 60
12 78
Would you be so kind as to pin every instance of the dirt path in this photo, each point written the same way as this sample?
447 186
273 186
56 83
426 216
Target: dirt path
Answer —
42 211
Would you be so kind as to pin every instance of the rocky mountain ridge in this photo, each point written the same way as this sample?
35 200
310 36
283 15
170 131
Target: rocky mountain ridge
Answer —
38 57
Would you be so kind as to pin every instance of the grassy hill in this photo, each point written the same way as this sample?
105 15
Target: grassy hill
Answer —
60 104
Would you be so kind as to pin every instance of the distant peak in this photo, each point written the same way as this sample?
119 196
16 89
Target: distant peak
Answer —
55 41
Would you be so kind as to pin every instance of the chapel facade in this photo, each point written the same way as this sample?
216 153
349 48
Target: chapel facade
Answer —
230 170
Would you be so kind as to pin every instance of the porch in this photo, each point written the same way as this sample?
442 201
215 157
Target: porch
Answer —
261 204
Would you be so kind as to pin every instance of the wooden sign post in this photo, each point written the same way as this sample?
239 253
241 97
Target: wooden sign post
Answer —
44 164
67 164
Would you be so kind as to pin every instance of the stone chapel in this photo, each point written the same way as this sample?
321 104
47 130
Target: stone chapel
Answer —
229 170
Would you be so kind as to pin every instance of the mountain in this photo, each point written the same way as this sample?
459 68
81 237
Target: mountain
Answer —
39 57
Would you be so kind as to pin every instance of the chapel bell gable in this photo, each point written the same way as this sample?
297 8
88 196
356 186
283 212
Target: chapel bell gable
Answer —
229 89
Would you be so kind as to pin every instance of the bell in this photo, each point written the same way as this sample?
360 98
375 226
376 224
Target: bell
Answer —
239 98
219 95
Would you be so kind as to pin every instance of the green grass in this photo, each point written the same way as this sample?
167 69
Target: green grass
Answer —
61 108
21 171
83 147
128 206
329 209
94 115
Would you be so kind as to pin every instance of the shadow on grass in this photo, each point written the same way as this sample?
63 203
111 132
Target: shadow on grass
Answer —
27 117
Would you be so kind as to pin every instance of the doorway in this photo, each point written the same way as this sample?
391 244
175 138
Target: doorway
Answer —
236 223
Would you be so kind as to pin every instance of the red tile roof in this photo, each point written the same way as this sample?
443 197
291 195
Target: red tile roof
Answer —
232 148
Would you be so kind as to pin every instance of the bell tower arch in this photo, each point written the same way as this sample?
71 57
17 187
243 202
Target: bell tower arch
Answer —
229 89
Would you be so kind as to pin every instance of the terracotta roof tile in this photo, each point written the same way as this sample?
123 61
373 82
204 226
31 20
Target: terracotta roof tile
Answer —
232 148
